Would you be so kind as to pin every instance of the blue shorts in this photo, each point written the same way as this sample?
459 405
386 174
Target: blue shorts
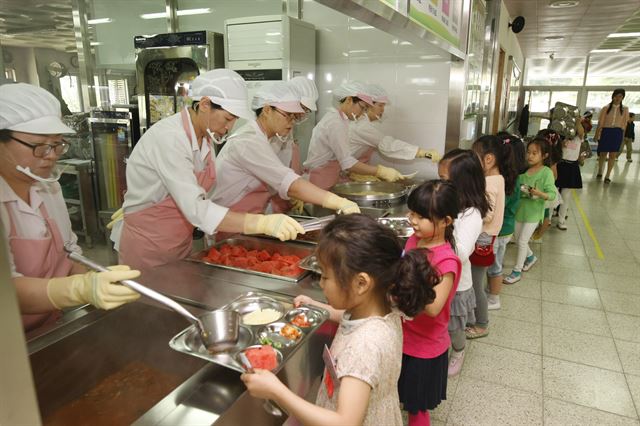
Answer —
499 248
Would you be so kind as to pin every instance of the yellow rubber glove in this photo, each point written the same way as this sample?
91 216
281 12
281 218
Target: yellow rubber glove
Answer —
97 288
277 225
363 178
115 217
339 204
297 206
429 153
388 174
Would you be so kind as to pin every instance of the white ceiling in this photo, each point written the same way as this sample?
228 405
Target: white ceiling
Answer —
584 27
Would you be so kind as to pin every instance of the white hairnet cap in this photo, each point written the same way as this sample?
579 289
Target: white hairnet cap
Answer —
353 88
225 88
378 94
307 91
30 109
279 95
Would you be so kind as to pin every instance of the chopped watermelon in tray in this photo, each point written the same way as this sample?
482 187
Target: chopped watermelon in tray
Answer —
254 260
263 357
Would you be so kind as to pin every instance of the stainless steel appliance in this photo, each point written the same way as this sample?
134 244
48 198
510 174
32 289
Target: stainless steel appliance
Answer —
165 66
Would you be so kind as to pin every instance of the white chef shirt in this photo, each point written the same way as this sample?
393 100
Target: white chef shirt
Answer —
330 141
28 220
248 160
365 134
163 164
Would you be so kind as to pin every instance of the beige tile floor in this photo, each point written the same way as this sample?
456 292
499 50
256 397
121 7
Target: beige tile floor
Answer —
565 347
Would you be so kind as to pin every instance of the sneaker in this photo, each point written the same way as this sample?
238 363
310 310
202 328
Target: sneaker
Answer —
529 262
562 226
607 180
629 160
513 277
493 304
599 176
455 362
475 333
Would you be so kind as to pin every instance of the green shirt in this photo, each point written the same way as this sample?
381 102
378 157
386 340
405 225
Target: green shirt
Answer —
531 210
511 204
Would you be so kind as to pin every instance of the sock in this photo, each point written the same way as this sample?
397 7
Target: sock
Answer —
421 418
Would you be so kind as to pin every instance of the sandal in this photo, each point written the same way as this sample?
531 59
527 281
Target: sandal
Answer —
607 180
474 333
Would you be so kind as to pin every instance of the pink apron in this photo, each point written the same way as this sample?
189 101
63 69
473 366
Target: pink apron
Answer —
40 258
254 202
328 174
366 156
160 233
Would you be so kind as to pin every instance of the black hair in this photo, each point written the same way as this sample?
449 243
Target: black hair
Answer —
502 150
195 105
543 145
465 171
435 200
259 111
554 148
5 135
631 114
352 244
519 151
618 91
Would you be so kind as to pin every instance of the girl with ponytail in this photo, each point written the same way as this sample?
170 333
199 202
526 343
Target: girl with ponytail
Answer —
612 123
368 282
423 380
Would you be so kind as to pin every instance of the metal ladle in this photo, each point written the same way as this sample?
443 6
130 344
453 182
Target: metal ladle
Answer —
219 330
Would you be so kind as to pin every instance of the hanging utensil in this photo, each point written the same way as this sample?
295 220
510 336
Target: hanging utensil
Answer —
218 329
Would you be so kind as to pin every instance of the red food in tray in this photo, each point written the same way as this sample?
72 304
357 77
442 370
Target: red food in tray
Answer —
254 260
263 357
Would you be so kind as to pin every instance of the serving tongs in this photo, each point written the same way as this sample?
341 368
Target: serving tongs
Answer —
219 330
317 223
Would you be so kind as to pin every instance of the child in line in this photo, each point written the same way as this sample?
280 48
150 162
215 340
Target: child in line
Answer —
463 169
569 176
365 277
512 200
554 141
496 157
423 379
537 187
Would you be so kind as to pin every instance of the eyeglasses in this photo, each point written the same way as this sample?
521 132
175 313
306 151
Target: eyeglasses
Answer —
41 150
288 115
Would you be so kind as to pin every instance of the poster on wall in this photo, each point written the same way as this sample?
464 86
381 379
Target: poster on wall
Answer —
441 17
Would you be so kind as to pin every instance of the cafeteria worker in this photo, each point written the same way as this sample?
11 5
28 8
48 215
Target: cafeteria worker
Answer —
250 167
172 169
366 137
34 215
329 153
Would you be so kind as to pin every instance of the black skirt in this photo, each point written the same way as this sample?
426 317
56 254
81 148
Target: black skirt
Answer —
569 175
610 139
423 382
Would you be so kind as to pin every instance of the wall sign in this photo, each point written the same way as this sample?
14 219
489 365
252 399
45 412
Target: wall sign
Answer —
441 17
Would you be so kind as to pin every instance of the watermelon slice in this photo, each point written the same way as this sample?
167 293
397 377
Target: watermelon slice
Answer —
264 357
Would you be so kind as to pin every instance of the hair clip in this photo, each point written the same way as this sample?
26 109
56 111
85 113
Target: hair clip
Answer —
506 141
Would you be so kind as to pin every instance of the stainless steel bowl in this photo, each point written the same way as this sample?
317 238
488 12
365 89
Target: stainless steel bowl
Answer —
400 225
378 194
271 333
252 304
278 355
222 328
314 317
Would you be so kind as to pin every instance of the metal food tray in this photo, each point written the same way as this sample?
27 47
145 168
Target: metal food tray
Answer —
257 244
400 225
310 263
188 340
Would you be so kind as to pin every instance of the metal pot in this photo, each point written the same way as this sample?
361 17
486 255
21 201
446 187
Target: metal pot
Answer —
372 194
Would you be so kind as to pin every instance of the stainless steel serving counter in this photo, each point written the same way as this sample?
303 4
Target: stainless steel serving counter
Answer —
124 353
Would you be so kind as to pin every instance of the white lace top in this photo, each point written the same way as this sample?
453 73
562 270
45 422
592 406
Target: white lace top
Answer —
370 350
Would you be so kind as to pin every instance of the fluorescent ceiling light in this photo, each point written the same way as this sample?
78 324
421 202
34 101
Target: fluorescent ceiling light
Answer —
558 4
184 12
554 38
361 27
605 50
616 35
99 21
200 11
96 43
274 34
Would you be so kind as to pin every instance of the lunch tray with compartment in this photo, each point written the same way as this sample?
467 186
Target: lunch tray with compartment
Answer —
254 243
188 340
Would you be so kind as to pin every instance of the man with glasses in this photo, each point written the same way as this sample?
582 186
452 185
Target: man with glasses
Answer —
329 154
254 165
34 216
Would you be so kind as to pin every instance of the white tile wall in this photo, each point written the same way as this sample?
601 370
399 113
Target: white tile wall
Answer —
416 78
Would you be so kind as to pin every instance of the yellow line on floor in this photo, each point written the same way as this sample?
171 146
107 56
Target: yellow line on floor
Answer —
587 225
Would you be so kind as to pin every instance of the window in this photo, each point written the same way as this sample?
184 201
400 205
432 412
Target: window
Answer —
538 101
613 70
71 92
570 98
554 72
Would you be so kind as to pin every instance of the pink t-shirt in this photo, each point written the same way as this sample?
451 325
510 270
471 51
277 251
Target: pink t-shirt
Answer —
426 337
